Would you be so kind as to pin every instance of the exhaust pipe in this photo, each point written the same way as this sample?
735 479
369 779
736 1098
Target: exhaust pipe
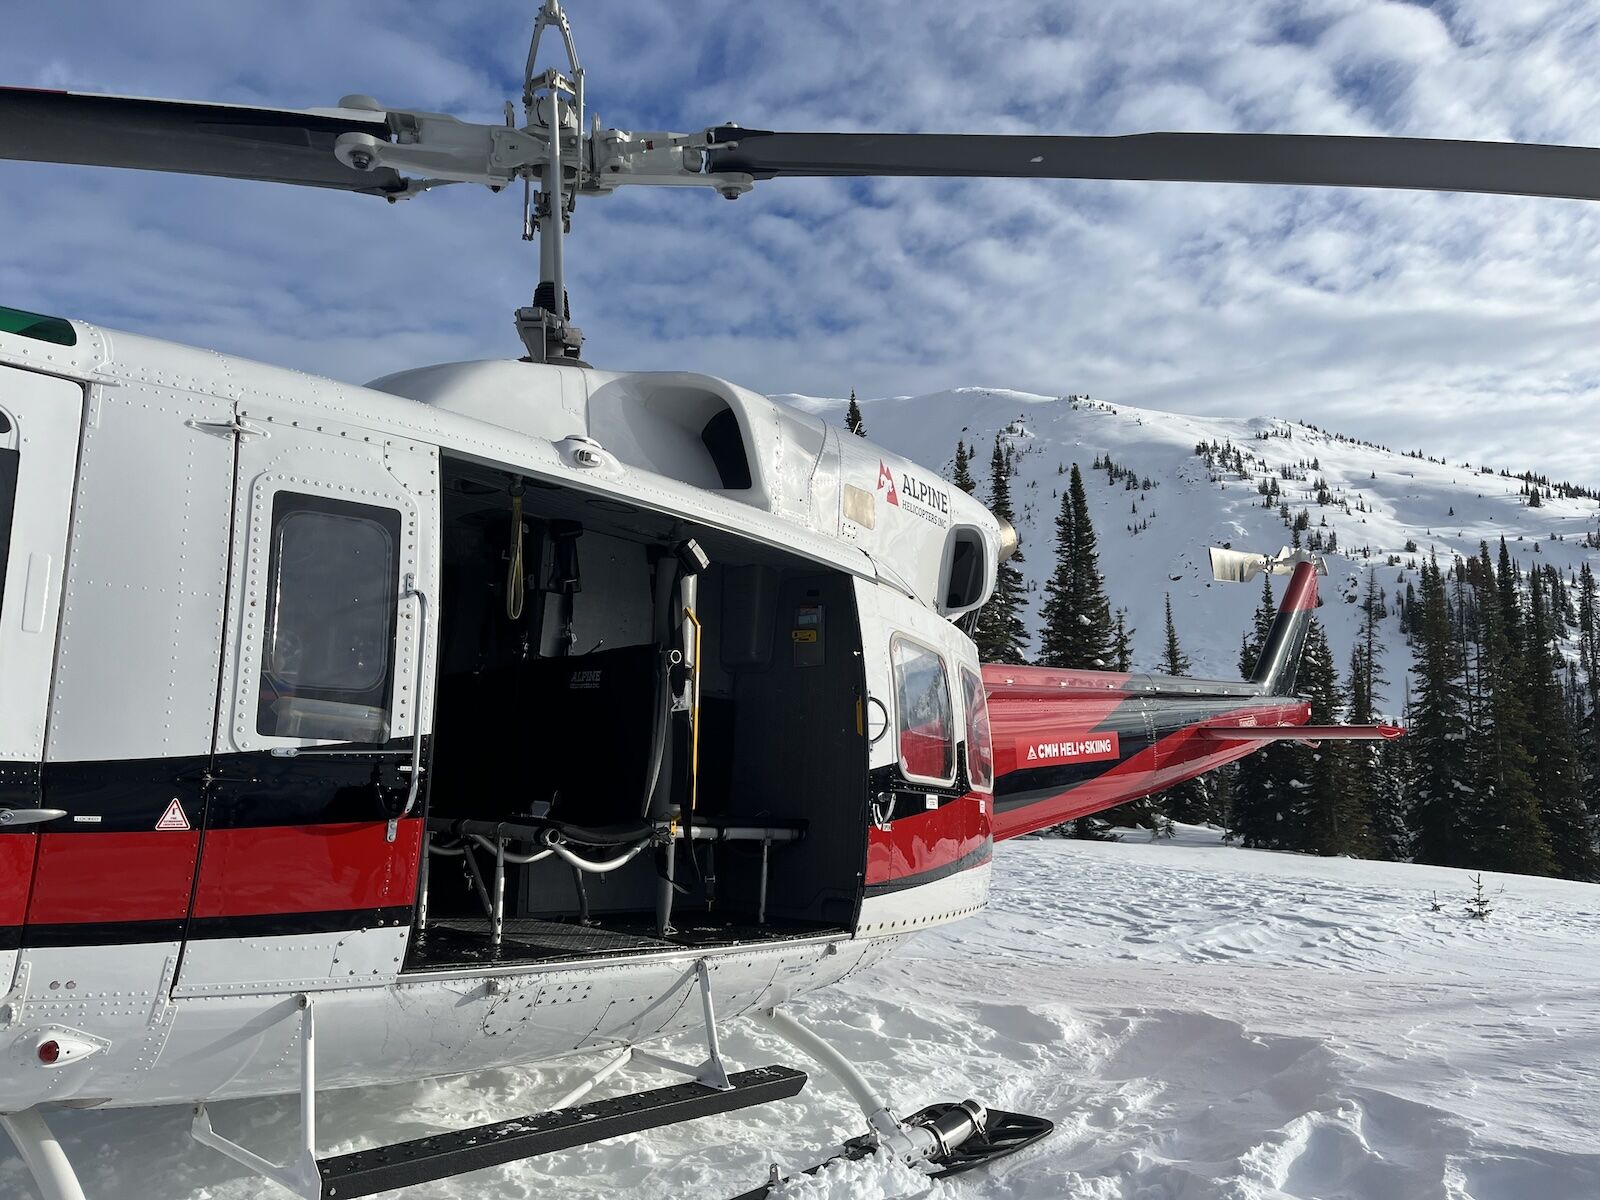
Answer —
1008 540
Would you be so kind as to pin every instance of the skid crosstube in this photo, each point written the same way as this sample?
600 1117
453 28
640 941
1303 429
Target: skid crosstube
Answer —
440 1156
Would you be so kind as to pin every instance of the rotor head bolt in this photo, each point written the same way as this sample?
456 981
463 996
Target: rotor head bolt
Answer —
730 193
361 160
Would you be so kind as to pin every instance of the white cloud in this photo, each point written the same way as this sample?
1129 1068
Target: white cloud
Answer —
1465 325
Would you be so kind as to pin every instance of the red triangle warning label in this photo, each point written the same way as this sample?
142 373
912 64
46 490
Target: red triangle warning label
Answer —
174 817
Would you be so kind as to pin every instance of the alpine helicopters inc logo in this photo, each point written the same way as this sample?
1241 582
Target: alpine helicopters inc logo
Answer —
926 500
886 480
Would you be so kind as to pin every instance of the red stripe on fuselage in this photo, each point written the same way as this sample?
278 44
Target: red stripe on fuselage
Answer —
84 877
926 841
16 875
1043 704
307 868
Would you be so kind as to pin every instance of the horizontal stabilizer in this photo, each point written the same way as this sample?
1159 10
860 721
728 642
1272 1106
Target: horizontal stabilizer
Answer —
1302 733
1238 566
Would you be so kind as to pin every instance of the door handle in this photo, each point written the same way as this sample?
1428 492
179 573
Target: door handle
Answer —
29 816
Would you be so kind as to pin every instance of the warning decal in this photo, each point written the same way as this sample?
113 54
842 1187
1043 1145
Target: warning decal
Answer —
174 818
1070 747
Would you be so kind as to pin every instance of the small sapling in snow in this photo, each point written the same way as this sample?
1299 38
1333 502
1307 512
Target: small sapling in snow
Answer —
1479 906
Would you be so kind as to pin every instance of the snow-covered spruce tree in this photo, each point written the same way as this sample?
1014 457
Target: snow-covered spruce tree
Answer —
1000 633
1439 788
852 417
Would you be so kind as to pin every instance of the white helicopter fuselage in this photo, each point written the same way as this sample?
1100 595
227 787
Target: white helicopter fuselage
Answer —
203 829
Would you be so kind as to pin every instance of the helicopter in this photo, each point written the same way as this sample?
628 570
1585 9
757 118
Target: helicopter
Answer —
496 712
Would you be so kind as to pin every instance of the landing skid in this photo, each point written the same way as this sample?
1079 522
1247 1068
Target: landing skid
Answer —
942 1139
1003 1133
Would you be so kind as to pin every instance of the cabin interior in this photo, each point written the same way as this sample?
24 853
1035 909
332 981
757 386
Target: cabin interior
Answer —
646 737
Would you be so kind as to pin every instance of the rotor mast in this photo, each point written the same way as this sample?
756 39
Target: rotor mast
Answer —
554 101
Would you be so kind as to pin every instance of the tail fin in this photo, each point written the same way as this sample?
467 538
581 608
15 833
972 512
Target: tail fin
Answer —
1280 656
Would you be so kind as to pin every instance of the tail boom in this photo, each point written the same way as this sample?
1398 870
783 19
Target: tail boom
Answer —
1069 743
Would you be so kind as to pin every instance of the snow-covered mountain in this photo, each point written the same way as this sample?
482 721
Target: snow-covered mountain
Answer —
1386 509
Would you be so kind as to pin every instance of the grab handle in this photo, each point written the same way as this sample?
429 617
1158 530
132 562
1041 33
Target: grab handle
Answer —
412 592
12 817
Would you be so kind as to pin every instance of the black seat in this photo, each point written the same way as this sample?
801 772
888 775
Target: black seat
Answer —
590 720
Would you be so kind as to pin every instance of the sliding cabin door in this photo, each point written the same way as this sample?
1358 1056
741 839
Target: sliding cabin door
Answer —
309 854
40 420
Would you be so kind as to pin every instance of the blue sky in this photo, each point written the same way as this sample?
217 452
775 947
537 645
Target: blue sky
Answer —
1466 325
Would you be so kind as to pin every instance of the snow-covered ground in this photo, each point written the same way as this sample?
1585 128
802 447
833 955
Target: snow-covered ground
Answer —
1202 1022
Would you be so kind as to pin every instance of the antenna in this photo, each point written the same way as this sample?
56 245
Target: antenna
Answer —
554 102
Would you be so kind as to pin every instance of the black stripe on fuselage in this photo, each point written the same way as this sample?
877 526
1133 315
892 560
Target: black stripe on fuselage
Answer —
973 858
116 933
1139 722
232 791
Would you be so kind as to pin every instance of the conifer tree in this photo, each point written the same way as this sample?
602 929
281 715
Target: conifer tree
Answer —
1500 817
1332 818
852 417
1438 783
1555 769
1095 637
1194 800
1261 625
1056 616
1173 660
1262 787
1376 774
1078 628
1589 703
1122 643
962 476
1000 634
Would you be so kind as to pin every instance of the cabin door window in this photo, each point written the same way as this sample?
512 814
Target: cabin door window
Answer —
328 646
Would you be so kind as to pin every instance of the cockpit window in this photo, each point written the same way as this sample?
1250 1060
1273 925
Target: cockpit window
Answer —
980 748
924 713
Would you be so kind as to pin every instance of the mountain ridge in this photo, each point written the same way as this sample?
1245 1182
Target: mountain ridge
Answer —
1384 509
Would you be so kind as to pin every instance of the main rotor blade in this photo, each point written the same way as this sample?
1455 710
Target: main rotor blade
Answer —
239 142
1509 168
